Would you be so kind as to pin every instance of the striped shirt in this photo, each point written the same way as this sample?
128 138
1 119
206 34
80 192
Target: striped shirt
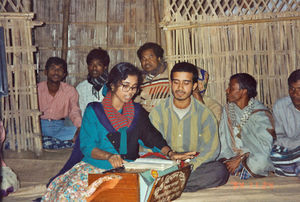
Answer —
154 91
63 104
196 131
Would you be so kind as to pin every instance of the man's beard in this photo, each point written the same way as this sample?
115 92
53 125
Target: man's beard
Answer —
182 98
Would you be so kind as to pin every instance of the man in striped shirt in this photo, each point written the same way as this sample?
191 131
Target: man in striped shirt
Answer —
155 87
188 125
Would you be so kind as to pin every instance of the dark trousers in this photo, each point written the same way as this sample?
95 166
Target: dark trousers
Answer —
76 157
211 174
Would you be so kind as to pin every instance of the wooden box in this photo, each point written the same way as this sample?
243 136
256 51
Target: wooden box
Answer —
163 188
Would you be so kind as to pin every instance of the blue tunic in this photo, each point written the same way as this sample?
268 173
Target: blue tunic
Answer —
97 132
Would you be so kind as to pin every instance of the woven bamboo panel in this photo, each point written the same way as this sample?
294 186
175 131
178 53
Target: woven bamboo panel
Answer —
119 26
193 10
264 43
15 5
20 108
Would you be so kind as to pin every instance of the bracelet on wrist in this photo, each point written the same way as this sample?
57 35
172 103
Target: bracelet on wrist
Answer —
169 152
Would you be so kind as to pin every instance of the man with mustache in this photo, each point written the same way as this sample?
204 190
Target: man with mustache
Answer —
188 125
286 150
155 87
246 130
57 101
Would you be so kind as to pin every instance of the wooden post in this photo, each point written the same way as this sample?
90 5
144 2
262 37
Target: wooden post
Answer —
168 35
157 21
66 16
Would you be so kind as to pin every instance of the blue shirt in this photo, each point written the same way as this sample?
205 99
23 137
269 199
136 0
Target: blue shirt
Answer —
287 123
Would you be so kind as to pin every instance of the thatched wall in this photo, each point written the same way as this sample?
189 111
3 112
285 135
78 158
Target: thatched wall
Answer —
259 37
120 26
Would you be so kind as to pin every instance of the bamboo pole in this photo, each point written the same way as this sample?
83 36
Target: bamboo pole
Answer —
66 17
168 34
188 25
157 21
33 123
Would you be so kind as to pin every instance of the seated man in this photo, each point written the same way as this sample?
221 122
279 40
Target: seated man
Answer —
57 101
155 86
188 125
286 111
90 90
245 130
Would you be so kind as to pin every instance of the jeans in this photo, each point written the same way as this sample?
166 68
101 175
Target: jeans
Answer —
57 129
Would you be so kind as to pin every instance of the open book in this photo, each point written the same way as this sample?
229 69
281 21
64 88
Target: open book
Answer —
148 178
150 163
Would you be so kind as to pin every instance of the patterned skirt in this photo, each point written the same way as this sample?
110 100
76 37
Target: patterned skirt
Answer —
72 185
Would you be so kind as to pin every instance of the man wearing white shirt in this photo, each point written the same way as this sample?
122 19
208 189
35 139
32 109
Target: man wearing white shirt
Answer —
286 111
90 90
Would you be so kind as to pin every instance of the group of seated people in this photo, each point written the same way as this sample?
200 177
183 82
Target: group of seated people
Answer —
125 108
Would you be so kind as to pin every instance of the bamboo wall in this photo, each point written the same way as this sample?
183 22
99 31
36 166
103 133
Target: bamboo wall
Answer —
259 37
20 108
119 26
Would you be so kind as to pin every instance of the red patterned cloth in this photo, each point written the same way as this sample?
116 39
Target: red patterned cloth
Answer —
117 119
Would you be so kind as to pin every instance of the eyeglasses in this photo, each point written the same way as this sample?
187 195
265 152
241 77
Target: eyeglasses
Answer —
126 88
294 89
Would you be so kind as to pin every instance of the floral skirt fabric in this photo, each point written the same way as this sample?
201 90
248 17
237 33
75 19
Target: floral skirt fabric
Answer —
72 185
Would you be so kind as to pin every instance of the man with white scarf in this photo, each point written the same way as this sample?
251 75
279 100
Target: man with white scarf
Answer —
246 130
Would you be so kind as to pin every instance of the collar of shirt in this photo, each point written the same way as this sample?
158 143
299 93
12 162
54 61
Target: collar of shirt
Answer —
292 106
181 112
169 104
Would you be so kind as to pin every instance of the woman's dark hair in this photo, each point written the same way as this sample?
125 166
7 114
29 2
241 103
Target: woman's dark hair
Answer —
120 72
294 77
56 61
185 67
157 49
246 81
98 54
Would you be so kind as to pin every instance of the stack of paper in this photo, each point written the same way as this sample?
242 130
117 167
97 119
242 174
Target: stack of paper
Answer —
150 163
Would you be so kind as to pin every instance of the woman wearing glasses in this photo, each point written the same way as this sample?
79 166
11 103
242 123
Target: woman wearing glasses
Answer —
110 134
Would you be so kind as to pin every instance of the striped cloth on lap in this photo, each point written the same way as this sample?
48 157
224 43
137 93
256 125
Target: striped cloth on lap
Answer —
286 162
